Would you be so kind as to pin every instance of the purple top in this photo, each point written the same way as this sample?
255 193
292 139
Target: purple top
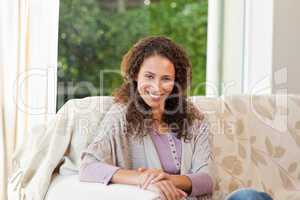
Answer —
168 147
169 151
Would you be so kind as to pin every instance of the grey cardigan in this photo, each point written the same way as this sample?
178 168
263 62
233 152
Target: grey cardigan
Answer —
111 145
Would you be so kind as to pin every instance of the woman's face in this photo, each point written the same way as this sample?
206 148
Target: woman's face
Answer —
155 80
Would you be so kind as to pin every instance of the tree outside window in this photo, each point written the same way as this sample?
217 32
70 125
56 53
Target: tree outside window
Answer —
95 34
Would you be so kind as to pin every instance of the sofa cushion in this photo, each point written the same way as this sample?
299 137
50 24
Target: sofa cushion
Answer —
256 143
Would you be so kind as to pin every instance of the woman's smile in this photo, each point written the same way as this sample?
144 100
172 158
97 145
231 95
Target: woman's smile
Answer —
155 96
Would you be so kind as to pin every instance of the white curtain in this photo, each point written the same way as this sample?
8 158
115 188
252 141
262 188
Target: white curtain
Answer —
28 65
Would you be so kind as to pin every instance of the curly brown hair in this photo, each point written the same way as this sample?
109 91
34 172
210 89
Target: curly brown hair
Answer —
128 94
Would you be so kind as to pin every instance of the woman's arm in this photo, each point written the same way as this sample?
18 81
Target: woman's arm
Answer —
97 172
124 176
165 188
193 184
93 170
182 182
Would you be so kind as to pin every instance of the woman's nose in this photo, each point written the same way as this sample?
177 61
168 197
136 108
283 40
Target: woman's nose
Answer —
156 87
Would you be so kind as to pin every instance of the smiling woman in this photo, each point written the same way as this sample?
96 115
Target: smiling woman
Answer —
155 109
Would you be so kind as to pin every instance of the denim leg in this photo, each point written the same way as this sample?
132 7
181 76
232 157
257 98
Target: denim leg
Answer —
248 194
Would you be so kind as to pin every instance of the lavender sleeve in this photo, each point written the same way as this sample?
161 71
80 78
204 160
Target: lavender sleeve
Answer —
97 172
201 183
95 166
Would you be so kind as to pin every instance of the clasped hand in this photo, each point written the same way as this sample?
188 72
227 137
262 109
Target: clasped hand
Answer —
156 180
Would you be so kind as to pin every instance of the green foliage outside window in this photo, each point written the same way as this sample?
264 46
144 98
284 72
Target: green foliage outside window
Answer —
93 38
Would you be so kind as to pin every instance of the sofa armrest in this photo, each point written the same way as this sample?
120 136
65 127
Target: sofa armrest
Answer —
69 187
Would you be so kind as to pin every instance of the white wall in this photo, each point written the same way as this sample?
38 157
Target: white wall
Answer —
258 47
286 47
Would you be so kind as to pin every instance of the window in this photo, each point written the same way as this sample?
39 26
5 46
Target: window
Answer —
95 34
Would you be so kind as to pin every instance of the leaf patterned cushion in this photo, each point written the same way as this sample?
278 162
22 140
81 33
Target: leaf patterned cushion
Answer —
256 143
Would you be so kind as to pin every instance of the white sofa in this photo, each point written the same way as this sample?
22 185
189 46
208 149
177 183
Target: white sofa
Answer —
68 187
255 140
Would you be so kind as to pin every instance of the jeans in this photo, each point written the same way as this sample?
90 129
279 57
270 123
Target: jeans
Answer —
248 194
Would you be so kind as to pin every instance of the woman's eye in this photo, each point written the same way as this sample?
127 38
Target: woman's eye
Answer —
166 79
149 76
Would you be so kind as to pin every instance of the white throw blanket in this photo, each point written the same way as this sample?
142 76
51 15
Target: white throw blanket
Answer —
35 162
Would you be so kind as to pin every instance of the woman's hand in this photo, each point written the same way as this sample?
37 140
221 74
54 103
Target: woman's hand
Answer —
151 176
167 190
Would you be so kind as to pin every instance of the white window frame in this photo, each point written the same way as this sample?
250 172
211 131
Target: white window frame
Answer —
239 47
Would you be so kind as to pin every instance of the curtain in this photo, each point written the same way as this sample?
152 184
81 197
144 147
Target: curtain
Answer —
28 66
